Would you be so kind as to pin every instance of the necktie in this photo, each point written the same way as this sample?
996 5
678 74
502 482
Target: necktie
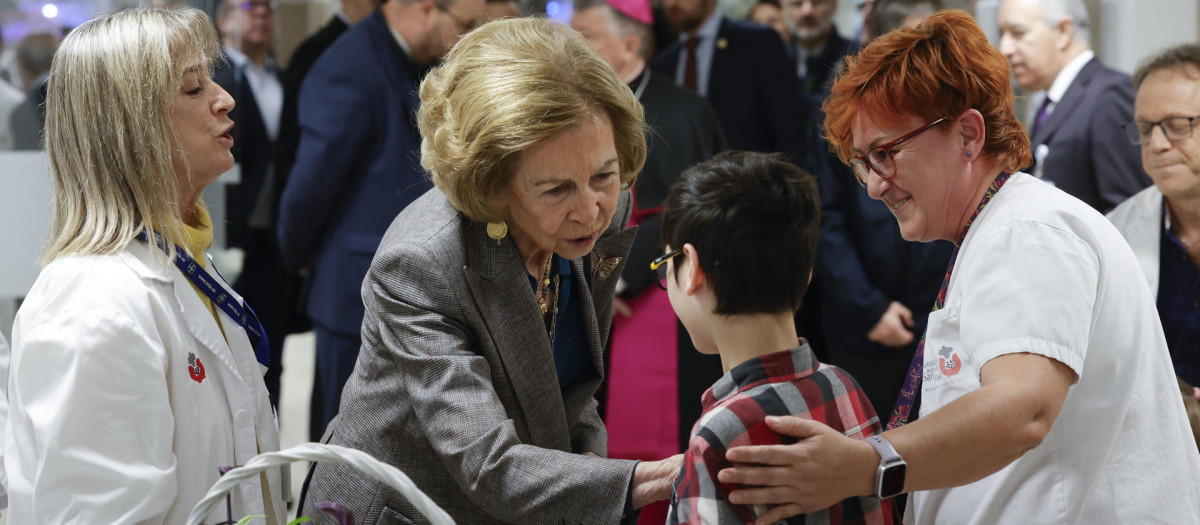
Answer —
689 69
1042 113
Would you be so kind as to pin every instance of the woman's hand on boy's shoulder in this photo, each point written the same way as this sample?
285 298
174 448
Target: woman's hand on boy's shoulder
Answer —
822 468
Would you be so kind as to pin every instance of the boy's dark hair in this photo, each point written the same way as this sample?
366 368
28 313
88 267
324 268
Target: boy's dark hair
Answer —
754 219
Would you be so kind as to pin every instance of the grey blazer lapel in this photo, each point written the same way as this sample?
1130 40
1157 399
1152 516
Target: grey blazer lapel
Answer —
603 269
499 285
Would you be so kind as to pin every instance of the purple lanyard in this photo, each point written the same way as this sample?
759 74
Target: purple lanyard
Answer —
221 297
908 393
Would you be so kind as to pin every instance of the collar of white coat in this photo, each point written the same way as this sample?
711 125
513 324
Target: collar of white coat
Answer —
152 263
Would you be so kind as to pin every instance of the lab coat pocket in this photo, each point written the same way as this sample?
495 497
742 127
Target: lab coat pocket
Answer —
948 371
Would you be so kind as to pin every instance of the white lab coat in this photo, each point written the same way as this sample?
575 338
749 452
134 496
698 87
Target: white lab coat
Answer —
1140 221
110 418
4 353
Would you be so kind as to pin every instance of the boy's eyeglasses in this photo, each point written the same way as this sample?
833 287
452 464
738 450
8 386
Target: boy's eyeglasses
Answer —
1175 128
881 160
659 266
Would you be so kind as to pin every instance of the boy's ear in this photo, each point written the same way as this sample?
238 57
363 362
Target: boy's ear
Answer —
693 277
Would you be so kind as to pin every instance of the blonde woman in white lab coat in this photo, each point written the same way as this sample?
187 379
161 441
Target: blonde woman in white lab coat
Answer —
135 372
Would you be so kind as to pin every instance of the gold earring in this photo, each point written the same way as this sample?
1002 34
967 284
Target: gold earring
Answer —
497 230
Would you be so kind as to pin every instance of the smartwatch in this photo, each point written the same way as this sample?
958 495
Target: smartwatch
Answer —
889 478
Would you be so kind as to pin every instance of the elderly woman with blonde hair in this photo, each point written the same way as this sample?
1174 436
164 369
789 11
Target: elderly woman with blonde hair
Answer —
133 369
490 298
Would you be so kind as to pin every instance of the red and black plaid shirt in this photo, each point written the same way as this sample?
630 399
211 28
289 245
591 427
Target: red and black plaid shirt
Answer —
789 383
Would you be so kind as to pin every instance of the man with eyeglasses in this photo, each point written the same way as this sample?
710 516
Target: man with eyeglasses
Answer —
255 81
1077 141
358 165
1162 222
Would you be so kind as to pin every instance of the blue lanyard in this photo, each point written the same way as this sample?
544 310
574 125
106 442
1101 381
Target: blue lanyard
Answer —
212 289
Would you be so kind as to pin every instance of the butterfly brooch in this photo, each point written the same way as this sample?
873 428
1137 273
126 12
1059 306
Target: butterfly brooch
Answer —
603 267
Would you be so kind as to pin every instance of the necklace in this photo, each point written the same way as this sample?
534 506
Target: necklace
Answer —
547 297
543 291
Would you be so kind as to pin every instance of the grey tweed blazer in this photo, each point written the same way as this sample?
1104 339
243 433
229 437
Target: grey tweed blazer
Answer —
455 382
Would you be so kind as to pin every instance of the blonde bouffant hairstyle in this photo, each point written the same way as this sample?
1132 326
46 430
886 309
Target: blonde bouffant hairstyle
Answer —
507 86
109 134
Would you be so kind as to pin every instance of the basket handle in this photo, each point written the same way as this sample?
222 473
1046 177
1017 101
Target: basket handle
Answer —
315 452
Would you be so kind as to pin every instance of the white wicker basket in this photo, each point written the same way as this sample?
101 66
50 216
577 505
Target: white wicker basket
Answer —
326 453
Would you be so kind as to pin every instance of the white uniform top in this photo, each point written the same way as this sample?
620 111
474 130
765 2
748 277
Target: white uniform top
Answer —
1041 272
125 398
4 354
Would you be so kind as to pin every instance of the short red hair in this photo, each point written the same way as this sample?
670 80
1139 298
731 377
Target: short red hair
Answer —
940 68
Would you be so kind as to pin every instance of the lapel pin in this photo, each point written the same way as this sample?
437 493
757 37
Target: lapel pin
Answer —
722 43
603 267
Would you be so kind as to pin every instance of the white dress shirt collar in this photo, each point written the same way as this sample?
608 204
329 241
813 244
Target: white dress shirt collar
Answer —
1067 76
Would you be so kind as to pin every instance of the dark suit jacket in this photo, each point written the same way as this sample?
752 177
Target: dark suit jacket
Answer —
302 61
270 290
253 150
821 67
28 119
456 383
684 132
358 166
815 85
752 87
1089 155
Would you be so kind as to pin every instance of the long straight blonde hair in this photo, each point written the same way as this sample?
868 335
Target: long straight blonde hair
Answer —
109 133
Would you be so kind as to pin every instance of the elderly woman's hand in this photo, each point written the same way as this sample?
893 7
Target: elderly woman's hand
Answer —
822 468
652 480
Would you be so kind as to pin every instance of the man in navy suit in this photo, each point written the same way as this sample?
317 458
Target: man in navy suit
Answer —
351 12
252 77
358 164
816 46
1078 141
743 70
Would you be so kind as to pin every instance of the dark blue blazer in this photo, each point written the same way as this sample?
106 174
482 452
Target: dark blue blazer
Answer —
298 67
357 167
752 87
815 85
1089 155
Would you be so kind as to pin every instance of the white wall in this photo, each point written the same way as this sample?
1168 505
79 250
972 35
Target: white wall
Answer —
25 195
1131 30
24 218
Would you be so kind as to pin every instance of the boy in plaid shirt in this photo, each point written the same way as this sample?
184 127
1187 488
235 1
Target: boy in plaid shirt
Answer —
740 236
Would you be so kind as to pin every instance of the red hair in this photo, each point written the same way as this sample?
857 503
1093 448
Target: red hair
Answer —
940 68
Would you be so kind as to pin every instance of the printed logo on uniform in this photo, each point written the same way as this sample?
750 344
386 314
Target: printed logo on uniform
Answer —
195 368
949 362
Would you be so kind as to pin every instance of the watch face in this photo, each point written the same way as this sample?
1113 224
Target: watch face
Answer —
892 481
